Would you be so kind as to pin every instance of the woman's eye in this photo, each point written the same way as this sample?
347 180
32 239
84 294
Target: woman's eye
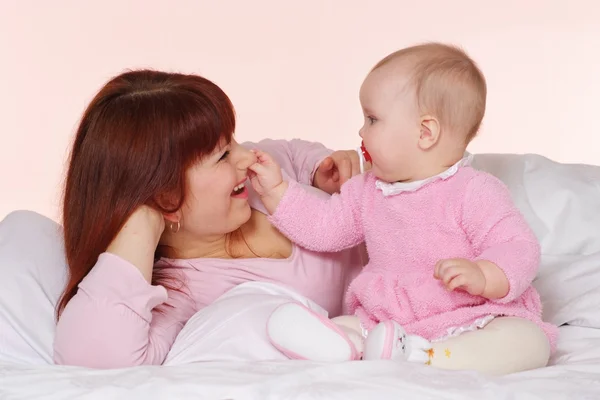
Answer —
224 156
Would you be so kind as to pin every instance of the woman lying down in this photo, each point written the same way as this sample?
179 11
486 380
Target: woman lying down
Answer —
161 227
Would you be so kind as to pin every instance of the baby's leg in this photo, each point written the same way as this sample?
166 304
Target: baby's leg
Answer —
388 341
506 345
351 326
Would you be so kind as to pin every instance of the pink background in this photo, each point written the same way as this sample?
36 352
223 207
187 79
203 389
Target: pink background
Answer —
292 69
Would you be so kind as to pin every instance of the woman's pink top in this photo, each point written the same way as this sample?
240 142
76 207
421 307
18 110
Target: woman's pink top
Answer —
114 319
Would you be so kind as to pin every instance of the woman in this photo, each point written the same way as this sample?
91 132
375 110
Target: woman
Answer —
159 222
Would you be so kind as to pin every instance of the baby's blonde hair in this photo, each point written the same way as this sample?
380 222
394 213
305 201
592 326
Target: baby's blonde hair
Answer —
448 85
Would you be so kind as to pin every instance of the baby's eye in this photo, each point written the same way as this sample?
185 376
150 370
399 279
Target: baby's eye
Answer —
371 120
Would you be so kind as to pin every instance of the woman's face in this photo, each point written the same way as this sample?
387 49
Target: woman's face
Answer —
217 199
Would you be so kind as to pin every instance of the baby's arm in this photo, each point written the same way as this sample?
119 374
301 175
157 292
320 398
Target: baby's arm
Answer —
508 251
311 163
318 224
298 158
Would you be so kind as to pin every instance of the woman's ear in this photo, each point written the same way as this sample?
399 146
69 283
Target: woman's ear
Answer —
172 217
430 132
169 201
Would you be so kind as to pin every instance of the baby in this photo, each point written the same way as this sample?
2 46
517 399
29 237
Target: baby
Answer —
452 260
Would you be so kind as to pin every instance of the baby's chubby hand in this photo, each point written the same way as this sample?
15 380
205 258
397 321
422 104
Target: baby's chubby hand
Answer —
459 273
267 181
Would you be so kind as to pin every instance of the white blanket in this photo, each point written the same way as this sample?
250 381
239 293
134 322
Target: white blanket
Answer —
580 379
232 332
233 327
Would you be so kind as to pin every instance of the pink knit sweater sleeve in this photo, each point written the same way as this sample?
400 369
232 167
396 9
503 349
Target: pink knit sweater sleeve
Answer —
322 224
499 233
115 319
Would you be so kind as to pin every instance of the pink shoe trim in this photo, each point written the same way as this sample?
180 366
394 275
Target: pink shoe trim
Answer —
287 352
326 321
386 353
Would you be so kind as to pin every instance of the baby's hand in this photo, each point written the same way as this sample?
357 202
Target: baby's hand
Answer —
265 176
458 273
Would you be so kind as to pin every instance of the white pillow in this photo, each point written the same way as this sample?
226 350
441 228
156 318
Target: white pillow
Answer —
32 276
561 202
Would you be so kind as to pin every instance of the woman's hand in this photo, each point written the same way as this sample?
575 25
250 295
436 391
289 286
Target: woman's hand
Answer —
335 170
137 240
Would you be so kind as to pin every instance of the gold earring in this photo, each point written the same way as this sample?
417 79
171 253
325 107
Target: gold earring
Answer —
175 230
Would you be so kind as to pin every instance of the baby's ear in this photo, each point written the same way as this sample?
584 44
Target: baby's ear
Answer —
430 132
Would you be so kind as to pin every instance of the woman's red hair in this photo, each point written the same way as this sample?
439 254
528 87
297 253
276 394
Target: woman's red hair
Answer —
135 142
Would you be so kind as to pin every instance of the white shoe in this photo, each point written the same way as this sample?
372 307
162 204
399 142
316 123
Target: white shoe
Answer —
389 341
301 334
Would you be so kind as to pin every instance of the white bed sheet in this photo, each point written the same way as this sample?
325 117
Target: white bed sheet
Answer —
574 375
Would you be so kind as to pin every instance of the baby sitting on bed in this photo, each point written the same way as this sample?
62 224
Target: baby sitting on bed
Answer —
451 257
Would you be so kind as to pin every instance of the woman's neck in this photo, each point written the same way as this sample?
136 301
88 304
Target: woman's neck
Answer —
229 245
185 248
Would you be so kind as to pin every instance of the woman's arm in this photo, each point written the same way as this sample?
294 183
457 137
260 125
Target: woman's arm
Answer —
117 318
113 320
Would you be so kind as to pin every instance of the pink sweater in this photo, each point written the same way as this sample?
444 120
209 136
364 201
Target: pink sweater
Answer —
468 215
113 320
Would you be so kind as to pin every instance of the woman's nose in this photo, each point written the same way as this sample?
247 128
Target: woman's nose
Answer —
246 159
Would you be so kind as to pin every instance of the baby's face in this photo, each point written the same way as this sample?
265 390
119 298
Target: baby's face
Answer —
391 123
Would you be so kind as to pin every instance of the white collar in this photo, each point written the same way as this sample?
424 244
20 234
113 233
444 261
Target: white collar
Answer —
391 189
